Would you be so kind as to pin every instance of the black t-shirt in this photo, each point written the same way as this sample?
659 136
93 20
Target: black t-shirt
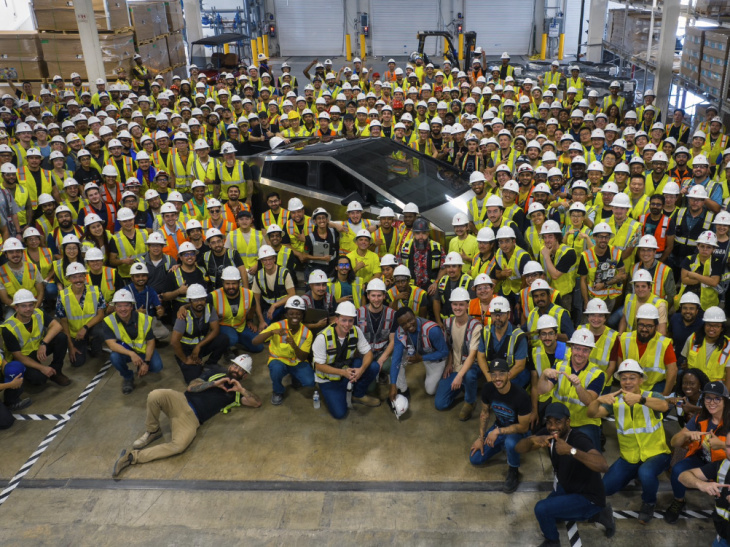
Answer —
209 402
215 265
11 342
329 244
507 407
573 476
96 280
196 276
566 262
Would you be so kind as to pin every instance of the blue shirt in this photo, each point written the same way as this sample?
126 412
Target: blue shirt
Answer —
680 332
716 193
148 299
439 353
498 346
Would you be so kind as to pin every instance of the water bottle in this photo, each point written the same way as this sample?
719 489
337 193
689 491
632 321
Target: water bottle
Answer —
349 394
315 399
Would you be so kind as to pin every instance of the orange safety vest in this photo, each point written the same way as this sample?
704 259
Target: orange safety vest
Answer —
173 242
110 215
478 312
696 446
660 232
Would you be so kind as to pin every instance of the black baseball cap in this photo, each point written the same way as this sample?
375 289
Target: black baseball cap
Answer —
242 214
421 225
557 410
716 388
498 365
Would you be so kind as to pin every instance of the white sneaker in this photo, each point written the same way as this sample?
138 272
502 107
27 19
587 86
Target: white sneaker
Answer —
146 439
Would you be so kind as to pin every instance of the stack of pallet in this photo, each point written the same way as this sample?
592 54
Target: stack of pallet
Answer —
175 41
158 33
714 61
21 57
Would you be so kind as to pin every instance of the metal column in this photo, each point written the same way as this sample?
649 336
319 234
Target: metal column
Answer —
89 37
193 28
665 54
596 29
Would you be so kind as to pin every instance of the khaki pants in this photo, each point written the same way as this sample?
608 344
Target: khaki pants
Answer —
183 421
434 372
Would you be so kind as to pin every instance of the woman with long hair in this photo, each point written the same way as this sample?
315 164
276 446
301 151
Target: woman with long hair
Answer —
70 253
689 390
96 236
345 286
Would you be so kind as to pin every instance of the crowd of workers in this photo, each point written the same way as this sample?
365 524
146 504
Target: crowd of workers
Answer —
126 218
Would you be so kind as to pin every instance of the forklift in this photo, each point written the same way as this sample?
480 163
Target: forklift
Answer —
452 54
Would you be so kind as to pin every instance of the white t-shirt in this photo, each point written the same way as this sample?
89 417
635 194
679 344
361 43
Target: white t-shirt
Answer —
319 350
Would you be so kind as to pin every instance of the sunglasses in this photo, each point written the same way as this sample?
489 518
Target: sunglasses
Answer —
216 210
188 253
344 266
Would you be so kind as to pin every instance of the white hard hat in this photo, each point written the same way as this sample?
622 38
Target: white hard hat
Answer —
700 159
714 314
125 213
30 231
400 271
388 260
453 259
186 247
689 298
13 244
193 224
411 208
231 273
295 303
196 184
155 238
212 202
70 238
352 206
459 294
22 296
213 232
266 251
8 168
363 233
546 322
244 361
317 276
550 227
347 309
539 285
295 204
494 201
386 212
642 276
499 304
196 291
376 284
602 228
697 191
93 254
460 219
512 185
610 188
621 200
400 405
647 311
275 141
228 148
648 242
110 171
554 172
577 206
671 188
708 238
597 306
138 268
485 235
660 156
75 268
595 166
476 176
722 218
482 279
535 207
532 267
506 232
45 198
123 295
628 365
583 337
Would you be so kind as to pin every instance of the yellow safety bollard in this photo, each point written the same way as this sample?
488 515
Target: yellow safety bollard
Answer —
543 49
561 47
254 53
348 47
226 48
446 46
260 44
461 47
266 45
363 47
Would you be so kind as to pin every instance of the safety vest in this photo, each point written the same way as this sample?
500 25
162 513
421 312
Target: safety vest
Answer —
542 363
689 238
307 227
471 324
514 282
640 430
528 305
20 153
195 210
566 282
652 361
532 236
335 289
127 166
182 171
608 100
235 178
478 214
602 352
206 174
714 364
514 338
632 304
188 337
423 342
26 180
75 206
555 311
268 218
139 344
660 232
21 196
45 261
415 299
577 84
478 265
60 272
160 164
551 78
225 313
126 250
110 214
700 446
11 283
28 341
271 295
378 340
172 241
249 251
722 505
384 249
331 344
591 261
46 226
224 227
76 315
434 255
566 393
708 295
625 236
108 282
279 348
347 238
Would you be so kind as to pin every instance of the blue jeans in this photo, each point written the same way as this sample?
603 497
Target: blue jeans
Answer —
622 472
445 396
720 542
302 372
278 314
561 506
244 338
691 462
593 432
615 318
120 363
522 379
503 442
334 393
51 292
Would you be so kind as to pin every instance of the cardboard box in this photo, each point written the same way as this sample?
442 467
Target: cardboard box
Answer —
21 69
154 54
176 49
67 67
713 8
161 19
638 26
149 20
67 47
694 42
20 45
175 20
110 15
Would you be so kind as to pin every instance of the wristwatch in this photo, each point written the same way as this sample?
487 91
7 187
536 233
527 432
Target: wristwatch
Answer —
642 400
573 451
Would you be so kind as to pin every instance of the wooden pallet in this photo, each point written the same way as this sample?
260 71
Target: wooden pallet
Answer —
155 39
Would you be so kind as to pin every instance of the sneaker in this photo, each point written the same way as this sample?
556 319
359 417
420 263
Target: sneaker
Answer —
20 405
124 461
367 400
671 515
276 399
466 412
646 513
128 386
605 519
61 379
146 439
512 481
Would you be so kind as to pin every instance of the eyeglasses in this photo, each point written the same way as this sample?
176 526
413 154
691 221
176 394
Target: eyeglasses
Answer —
188 253
713 400
216 210
344 266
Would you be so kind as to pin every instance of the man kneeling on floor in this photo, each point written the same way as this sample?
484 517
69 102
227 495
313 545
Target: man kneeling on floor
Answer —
204 398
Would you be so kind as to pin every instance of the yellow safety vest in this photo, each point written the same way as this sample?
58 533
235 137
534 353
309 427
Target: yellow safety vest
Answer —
45 259
555 311
108 282
183 178
550 78
335 289
187 337
11 283
249 251
661 273
515 337
126 250
195 210
268 218
541 362
347 238
127 165
566 393
478 214
76 315
625 237
280 350
602 352
415 299
144 324
307 227
652 361
640 430
28 341
225 313
209 172
21 196
591 261
566 282
532 235
708 295
26 180
514 282
714 364
235 178
331 339
577 84
632 304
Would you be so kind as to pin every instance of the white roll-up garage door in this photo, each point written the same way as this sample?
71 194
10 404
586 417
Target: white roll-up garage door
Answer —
395 25
572 25
501 26
310 27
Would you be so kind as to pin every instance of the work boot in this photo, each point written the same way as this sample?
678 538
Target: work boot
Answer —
671 515
276 399
61 379
605 519
512 481
646 513
147 438
20 405
128 386
124 461
367 400
466 411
